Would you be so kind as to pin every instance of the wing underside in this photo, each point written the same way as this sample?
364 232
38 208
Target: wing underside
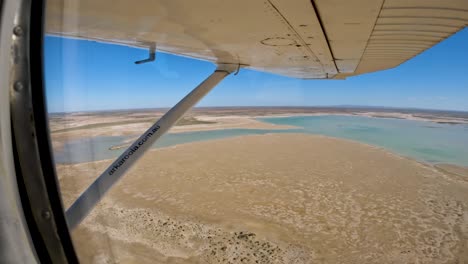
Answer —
322 39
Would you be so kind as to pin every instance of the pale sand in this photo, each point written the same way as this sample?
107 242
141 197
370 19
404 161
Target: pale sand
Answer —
136 129
135 122
296 199
394 115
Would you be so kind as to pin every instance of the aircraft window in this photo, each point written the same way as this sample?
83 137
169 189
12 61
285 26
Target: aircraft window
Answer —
267 168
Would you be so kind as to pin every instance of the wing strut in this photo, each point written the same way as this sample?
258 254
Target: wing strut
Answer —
96 191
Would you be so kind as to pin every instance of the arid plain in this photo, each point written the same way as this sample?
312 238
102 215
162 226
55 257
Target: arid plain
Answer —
275 198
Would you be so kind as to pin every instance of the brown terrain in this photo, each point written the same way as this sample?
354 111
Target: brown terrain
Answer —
277 198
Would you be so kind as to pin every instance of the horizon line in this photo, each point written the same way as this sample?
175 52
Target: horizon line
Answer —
267 106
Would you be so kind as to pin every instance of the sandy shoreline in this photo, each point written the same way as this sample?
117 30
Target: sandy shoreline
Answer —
391 115
228 121
136 129
76 126
347 203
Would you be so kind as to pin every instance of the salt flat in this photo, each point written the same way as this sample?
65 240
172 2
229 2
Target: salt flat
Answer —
277 198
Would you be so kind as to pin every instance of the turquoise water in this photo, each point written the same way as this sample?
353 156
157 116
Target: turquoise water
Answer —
423 141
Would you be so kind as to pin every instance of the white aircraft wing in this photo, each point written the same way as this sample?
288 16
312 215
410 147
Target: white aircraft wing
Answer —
297 38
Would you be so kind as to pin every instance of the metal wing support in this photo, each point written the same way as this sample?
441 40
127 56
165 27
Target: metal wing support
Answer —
96 191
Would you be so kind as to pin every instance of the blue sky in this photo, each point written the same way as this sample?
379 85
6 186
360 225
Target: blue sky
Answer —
86 75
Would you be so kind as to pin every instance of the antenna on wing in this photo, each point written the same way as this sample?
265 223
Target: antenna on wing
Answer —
152 54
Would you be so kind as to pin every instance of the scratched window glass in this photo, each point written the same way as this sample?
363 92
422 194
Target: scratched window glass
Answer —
260 131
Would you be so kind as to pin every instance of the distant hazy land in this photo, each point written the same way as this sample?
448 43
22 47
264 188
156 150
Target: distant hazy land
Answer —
62 122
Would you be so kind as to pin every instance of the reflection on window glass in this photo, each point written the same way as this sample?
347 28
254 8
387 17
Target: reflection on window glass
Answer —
266 168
